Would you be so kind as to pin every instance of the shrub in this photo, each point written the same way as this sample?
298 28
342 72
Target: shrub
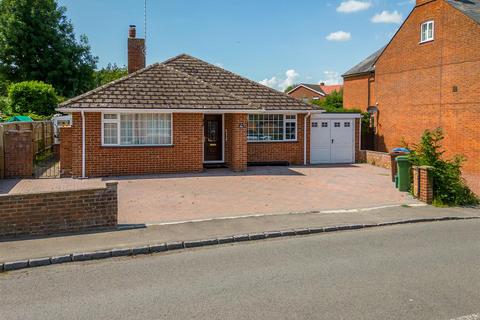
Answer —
449 188
32 97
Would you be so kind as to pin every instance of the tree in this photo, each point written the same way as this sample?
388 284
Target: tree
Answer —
37 42
449 187
333 102
32 97
109 74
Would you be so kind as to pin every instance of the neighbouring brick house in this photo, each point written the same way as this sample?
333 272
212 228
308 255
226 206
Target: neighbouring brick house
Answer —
428 76
307 92
184 113
359 84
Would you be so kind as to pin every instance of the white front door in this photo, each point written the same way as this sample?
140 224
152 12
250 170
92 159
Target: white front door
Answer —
332 141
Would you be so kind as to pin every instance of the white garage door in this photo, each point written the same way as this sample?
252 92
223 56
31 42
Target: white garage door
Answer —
332 141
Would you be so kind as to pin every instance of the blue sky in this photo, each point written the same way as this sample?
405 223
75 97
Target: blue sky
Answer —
277 42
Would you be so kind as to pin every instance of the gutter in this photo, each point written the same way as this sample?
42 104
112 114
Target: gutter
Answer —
203 111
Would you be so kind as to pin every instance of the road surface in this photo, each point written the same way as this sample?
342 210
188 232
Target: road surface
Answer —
421 271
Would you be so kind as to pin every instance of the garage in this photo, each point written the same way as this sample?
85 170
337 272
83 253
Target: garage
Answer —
333 138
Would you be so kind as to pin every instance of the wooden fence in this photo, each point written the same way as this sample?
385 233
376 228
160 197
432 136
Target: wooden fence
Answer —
43 138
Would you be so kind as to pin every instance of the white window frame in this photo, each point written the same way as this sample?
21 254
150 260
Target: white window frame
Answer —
285 120
119 129
427 39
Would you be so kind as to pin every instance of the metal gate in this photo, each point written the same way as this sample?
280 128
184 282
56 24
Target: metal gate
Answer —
46 165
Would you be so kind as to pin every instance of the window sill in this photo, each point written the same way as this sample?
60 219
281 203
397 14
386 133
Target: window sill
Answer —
278 141
139 146
426 41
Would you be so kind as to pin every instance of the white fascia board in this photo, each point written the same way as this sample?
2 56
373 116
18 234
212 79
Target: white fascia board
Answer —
301 85
343 115
213 111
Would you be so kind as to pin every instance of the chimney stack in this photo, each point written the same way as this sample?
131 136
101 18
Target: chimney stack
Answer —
136 51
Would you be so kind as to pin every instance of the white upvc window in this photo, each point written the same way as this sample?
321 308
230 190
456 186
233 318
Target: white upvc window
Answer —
136 129
272 127
427 31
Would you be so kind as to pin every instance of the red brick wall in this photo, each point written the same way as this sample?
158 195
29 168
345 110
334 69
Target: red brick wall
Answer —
239 125
281 151
303 93
40 214
355 92
66 151
186 154
19 154
415 84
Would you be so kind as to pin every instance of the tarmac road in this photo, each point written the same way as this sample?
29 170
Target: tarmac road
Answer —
420 271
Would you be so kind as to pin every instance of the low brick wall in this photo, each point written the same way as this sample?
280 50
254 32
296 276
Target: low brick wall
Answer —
375 158
40 214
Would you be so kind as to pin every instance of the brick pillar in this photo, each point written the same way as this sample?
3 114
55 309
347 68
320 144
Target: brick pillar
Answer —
66 151
238 141
423 183
19 154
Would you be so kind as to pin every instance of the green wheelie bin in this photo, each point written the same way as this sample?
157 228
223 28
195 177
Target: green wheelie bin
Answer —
403 171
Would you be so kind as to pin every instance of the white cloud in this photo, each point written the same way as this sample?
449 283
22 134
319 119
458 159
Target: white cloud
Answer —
353 6
339 36
290 78
387 17
330 78
272 82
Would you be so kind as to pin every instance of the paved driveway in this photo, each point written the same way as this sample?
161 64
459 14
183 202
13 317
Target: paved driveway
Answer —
262 190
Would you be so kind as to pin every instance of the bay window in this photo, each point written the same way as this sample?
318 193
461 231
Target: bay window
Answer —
272 127
136 129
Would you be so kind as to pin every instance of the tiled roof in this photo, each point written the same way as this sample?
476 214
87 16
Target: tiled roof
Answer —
185 82
320 88
366 66
314 87
471 8
254 92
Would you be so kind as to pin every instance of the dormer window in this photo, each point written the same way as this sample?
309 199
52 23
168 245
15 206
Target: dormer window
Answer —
427 33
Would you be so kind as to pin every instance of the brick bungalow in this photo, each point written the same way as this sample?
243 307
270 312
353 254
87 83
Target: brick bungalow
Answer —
428 76
307 92
184 114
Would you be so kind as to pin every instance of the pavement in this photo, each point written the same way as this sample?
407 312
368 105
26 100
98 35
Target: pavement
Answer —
218 193
422 272
214 228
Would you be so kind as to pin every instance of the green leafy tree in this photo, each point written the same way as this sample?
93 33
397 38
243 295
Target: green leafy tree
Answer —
37 42
109 74
449 188
32 97
333 103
